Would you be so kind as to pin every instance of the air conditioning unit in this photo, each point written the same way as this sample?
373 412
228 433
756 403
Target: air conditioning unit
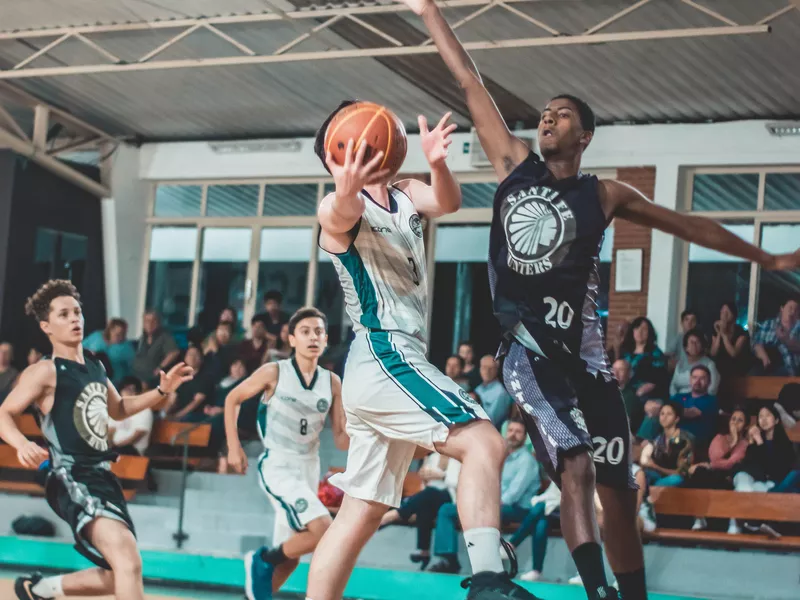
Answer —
478 158
256 146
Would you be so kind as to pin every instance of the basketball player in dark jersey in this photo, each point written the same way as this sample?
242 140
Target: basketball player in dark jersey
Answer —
74 399
547 228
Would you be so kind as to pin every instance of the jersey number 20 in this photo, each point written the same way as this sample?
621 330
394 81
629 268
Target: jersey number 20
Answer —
558 315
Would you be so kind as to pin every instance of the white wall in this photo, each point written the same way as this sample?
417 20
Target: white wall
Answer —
667 147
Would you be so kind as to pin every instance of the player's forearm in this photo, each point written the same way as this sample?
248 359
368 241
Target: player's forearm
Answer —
232 403
446 188
710 234
130 405
450 48
9 431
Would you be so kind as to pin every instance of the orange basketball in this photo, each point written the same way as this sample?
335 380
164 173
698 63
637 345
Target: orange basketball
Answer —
374 123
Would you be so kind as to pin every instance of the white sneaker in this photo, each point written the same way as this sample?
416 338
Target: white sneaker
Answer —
531 576
733 527
647 516
700 524
575 580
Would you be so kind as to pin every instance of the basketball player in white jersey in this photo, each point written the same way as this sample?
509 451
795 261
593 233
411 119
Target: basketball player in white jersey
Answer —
298 394
393 398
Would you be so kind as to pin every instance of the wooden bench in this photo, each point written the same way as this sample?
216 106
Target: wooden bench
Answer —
725 504
758 387
166 443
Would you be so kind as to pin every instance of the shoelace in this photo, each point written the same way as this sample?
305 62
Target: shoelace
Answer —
512 559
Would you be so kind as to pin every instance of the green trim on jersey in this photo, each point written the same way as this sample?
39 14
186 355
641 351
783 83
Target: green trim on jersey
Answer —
291 513
261 419
444 406
352 261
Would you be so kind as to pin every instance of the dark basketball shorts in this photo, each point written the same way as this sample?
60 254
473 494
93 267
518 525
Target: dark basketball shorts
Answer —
81 494
568 412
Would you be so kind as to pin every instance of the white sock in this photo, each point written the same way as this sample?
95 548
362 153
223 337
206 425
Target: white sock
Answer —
483 547
49 587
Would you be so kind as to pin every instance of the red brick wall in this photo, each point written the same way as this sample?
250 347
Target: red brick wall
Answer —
625 306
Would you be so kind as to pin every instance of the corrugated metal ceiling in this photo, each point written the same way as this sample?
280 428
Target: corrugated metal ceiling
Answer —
718 78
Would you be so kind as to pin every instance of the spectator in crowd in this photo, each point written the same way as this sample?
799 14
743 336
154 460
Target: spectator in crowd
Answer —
633 404
281 348
155 351
275 317
727 450
614 343
454 369
776 342
426 503
492 394
214 413
131 435
253 351
694 354
520 481
730 344
8 374
676 351
230 315
666 461
219 352
536 524
187 402
237 372
648 366
34 356
699 407
112 341
788 404
466 350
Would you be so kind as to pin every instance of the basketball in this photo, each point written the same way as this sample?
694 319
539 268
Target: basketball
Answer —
374 123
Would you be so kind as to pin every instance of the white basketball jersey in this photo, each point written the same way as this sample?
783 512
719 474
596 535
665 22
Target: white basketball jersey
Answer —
383 273
291 420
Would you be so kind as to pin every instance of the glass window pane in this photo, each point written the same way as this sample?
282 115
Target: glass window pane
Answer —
283 265
462 243
607 247
232 201
715 278
225 253
290 200
178 200
774 287
728 191
60 255
782 191
329 299
477 195
169 275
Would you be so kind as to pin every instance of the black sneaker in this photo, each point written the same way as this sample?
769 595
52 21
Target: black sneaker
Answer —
23 587
495 586
445 566
606 593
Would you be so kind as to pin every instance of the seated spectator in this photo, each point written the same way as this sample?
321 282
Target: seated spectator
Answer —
694 353
186 404
131 435
237 372
776 342
253 351
112 342
471 371
520 481
536 524
768 461
699 407
219 352
648 365
676 350
34 356
633 404
614 343
280 349
454 369
426 503
666 461
788 404
215 413
8 374
230 315
730 344
727 450
156 350
492 394
275 317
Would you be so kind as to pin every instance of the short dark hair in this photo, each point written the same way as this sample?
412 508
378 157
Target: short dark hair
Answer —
686 313
518 420
227 324
319 137
701 368
731 307
38 305
466 343
461 361
676 406
694 333
260 318
307 312
273 295
585 112
131 381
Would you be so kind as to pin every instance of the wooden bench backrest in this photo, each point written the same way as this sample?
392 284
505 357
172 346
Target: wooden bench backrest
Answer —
412 484
133 468
725 504
165 431
760 387
28 427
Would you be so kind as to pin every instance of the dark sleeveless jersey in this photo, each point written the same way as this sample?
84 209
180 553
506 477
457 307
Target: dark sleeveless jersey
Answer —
543 263
76 429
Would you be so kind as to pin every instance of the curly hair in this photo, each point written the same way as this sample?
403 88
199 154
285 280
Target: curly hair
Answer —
38 305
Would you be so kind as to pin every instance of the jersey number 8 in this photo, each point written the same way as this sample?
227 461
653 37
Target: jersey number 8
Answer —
303 426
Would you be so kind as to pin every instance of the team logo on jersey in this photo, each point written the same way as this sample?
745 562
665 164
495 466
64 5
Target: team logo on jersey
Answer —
466 397
301 505
90 416
322 405
577 417
538 222
416 225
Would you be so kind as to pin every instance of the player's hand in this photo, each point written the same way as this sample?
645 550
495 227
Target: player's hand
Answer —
351 177
175 378
32 455
436 141
418 6
785 262
237 459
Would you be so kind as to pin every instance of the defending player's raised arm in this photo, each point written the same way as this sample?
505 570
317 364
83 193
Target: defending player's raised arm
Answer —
34 383
121 408
504 150
264 379
626 202
338 418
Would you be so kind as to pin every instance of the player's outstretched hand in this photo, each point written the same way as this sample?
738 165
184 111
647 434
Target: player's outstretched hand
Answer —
786 262
418 6
32 455
237 460
175 378
351 177
436 141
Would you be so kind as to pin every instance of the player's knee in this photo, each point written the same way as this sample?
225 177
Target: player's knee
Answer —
485 444
126 563
319 526
579 472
